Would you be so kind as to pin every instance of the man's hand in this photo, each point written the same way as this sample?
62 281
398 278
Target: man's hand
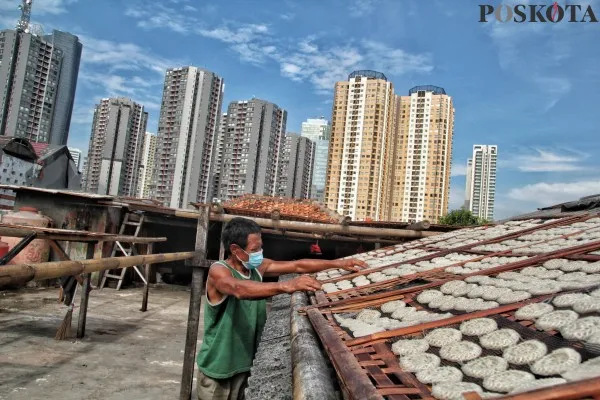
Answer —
303 283
352 264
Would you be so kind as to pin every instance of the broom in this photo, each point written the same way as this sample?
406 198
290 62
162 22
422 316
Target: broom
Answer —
64 331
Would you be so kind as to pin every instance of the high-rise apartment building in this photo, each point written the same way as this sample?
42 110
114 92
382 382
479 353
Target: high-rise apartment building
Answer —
361 128
254 132
38 78
116 143
469 174
84 173
76 154
420 156
318 131
29 74
147 168
187 131
296 167
389 156
481 181
71 49
218 159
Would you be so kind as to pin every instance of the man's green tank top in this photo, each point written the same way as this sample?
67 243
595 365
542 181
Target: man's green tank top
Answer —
232 330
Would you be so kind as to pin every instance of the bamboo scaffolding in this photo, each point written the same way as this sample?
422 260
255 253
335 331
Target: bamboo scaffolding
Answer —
297 225
19 274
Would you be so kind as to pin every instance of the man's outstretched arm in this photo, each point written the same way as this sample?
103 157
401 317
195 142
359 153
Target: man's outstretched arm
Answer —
225 284
276 268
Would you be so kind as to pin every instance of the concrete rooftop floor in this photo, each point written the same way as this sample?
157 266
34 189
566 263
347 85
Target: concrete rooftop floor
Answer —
126 354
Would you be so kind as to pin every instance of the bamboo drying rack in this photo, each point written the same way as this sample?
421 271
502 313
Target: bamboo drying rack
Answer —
438 276
376 361
366 366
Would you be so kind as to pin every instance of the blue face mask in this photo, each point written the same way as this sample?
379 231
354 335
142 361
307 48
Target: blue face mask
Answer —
254 260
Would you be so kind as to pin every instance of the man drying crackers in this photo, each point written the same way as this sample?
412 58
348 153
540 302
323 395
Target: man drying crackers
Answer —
235 312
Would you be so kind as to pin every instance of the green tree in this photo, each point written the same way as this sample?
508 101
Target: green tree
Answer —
462 217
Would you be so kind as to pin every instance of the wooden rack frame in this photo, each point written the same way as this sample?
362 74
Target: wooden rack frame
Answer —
18 274
438 275
366 366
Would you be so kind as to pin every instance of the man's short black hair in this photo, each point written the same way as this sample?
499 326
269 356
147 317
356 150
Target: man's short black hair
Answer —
236 232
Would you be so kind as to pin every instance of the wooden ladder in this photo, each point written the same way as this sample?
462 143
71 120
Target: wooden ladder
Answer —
131 221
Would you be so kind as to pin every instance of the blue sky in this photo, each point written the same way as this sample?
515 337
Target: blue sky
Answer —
532 89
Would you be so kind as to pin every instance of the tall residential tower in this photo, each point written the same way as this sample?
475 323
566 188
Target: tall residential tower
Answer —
71 49
147 168
76 154
252 142
361 130
38 78
115 152
421 156
296 167
318 131
187 131
481 181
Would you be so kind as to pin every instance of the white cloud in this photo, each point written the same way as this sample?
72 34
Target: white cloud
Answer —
554 87
458 170
156 15
323 66
457 197
244 34
287 16
112 69
360 8
541 160
83 115
546 194
121 56
299 60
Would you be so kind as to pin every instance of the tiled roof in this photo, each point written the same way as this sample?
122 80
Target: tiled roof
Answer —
289 209
40 148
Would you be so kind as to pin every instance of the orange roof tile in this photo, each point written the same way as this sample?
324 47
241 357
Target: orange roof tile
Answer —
290 209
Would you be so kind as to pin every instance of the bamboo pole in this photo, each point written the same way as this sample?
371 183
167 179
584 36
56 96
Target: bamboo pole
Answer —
314 236
85 293
191 339
346 365
19 274
72 236
326 228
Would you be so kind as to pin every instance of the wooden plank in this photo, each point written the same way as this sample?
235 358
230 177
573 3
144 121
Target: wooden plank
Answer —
408 379
354 378
85 294
191 339
147 269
